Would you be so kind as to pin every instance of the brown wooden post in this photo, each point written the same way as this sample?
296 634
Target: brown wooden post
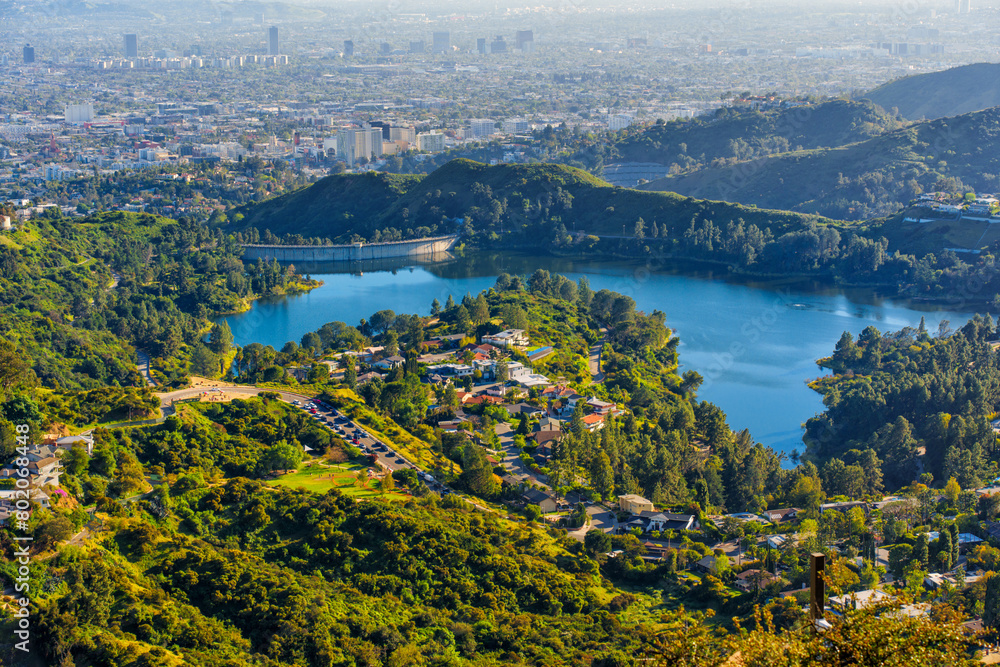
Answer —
817 588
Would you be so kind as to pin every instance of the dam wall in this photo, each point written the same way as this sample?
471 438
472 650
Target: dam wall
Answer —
352 252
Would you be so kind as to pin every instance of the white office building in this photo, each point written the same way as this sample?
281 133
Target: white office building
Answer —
353 143
431 142
619 121
79 113
516 126
481 128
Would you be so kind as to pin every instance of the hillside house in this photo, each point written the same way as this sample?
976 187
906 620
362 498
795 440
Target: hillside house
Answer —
634 504
593 422
750 580
529 380
545 501
395 361
507 339
451 370
781 515
843 507
600 407
524 409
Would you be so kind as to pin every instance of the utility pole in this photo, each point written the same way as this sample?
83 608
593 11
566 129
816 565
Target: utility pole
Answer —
817 591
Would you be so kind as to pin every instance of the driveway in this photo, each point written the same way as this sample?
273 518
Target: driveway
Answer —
512 460
598 518
595 362
601 518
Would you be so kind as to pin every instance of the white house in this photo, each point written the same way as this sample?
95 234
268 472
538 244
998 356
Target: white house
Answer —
452 370
532 380
508 338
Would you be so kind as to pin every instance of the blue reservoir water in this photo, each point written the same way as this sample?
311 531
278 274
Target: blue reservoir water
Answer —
756 343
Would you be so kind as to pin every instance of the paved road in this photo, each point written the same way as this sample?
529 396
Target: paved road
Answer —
594 362
143 367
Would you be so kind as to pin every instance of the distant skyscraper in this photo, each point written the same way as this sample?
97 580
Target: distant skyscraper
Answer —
29 54
131 46
498 45
348 48
442 42
385 48
964 6
481 44
417 47
272 41
525 40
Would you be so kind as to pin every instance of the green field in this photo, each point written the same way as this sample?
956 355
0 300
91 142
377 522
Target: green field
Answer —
321 477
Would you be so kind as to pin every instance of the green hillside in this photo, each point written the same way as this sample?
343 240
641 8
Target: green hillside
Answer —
863 180
522 203
743 133
950 92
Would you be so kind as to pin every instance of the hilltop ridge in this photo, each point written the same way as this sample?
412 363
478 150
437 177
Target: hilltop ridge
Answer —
950 92
519 199
867 179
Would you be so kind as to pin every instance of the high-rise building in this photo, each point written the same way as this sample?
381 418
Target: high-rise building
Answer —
480 128
348 48
131 46
442 42
79 113
498 45
272 41
619 121
417 47
407 134
525 40
430 141
515 125
29 54
481 45
353 144
964 6
385 48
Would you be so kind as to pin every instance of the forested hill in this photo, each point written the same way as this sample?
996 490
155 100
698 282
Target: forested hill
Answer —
950 92
863 180
741 133
528 202
917 402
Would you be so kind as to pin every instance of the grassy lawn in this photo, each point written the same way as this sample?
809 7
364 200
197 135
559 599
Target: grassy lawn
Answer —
321 477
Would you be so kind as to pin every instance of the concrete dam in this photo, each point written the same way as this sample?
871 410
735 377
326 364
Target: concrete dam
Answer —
351 252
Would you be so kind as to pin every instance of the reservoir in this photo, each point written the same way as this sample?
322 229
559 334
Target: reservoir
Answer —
755 342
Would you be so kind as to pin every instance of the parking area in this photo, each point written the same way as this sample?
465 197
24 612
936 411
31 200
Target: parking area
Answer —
370 446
